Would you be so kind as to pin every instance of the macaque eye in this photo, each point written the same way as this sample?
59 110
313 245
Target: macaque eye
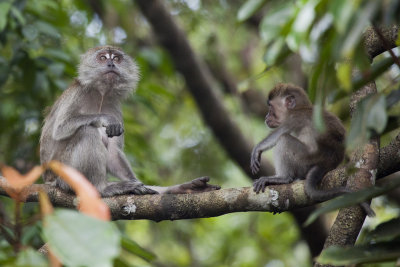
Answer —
117 58
102 58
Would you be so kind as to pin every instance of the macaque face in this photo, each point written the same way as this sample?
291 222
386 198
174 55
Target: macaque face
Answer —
108 68
109 61
277 112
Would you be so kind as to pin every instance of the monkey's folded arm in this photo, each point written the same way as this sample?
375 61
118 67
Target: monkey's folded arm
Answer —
66 126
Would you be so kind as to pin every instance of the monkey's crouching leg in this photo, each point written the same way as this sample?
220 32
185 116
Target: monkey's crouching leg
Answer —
118 165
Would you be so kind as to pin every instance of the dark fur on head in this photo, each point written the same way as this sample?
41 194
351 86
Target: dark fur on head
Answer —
287 89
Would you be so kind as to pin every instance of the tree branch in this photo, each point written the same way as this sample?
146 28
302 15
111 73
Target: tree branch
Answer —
373 43
182 206
210 204
189 206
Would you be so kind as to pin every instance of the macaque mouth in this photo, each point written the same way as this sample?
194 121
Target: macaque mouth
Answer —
111 72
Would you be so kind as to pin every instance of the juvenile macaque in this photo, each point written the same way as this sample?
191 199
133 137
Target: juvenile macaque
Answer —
301 151
84 128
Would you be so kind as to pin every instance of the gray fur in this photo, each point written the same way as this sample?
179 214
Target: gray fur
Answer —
301 151
84 128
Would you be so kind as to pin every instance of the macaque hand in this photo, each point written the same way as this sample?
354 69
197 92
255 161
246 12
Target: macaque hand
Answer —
113 126
255 160
114 130
197 185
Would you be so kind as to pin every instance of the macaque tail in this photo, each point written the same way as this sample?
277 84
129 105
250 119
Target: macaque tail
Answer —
314 176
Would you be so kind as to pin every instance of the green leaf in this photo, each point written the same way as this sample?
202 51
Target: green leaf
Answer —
370 115
358 132
276 22
359 24
342 11
47 29
4 9
276 53
248 9
137 250
391 99
118 262
30 32
58 54
318 119
377 116
4 71
79 240
384 232
360 254
298 35
18 15
344 75
30 257
152 56
353 199
305 17
377 69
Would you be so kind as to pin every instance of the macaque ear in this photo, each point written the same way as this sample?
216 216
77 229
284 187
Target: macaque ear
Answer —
290 102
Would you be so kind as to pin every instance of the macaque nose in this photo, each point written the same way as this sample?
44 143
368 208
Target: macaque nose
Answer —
110 64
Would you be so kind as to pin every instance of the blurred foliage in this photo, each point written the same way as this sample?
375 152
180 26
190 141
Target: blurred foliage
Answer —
313 43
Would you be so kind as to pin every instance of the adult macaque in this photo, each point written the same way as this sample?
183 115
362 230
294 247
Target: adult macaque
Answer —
84 128
301 151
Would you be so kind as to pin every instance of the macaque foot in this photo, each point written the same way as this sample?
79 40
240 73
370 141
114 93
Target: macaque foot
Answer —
127 187
260 184
197 185
143 190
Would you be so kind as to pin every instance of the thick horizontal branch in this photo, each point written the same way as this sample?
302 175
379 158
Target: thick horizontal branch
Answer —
210 204
184 206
